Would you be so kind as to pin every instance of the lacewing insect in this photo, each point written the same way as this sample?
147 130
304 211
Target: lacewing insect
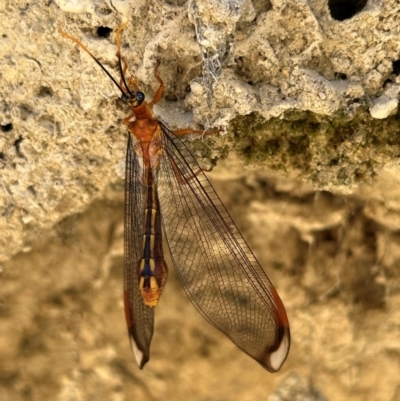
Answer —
167 192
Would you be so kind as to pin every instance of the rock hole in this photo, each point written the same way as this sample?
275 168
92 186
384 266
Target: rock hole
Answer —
261 6
103 10
6 127
32 190
45 91
17 145
344 9
171 97
176 2
103 31
396 67
340 76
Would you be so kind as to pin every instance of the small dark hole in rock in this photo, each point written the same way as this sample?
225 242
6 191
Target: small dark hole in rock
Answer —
32 190
45 91
386 82
17 144
103 10
103 31
6 127
340 76
396 67
176 2
171 97
344 9
262 6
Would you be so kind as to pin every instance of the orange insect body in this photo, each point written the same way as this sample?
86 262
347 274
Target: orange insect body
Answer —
217 269
152 270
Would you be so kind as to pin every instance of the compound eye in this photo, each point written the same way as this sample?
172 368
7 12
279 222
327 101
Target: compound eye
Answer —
140 97
124 97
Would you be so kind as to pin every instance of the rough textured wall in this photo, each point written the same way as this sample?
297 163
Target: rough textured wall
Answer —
306 89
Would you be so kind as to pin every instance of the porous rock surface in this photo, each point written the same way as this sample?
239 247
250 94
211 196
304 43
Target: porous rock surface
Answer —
306 93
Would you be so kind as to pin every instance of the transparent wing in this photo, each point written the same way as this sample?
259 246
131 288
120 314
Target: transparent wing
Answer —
139 317
217 269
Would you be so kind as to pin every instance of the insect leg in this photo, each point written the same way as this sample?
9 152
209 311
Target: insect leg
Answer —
160 90
118 37
188 131
127 119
